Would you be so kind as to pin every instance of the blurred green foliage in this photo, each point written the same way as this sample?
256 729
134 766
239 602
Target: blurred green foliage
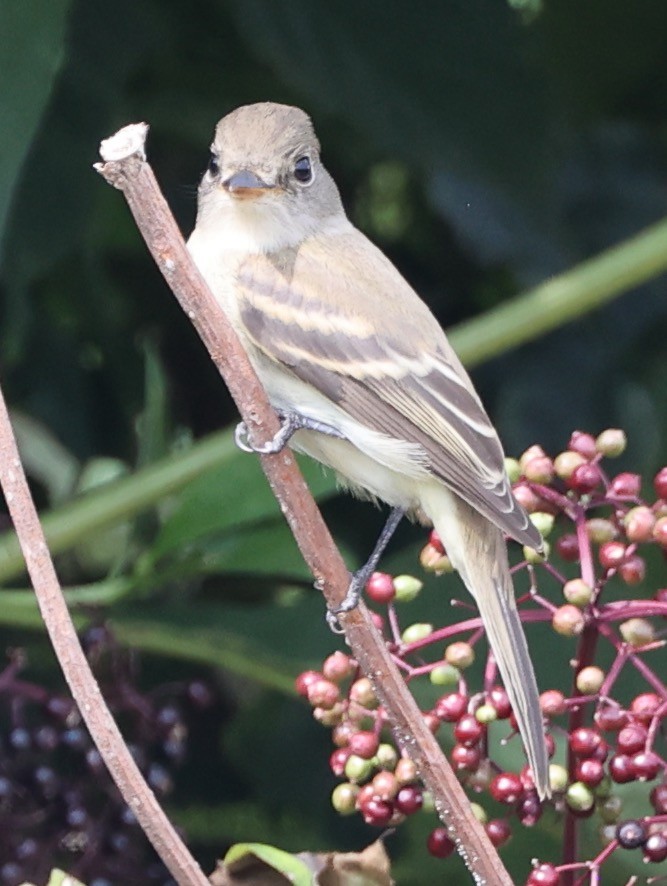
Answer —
484 145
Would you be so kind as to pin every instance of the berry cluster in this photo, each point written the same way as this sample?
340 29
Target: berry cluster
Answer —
586 589
58 805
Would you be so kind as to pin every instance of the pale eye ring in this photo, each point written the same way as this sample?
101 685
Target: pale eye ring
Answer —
303 170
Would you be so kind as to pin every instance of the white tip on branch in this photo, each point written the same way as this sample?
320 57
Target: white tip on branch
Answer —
128 141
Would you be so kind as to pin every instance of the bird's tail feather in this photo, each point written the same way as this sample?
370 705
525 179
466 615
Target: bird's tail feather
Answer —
478 551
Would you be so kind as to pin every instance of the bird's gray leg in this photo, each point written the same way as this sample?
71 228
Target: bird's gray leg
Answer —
290 423
361 576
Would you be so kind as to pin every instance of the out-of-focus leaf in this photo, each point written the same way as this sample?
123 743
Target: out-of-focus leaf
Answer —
60 878
32 35
45 458
241 863
235 495
456 83
266 549
265 643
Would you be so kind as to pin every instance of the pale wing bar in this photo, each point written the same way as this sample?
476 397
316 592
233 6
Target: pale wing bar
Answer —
409 408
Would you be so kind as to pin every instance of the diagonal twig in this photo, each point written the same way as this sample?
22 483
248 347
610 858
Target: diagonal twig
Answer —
82 683
125 168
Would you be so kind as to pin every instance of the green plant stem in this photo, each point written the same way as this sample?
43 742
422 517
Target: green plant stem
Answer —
82 517
544 308
215 648
563 298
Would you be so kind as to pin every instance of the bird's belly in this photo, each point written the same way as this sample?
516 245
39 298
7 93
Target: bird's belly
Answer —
358 472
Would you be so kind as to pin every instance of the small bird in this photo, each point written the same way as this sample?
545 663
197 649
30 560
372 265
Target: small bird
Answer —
360 370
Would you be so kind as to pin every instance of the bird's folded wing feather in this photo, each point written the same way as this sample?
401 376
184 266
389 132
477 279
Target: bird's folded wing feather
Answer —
382 358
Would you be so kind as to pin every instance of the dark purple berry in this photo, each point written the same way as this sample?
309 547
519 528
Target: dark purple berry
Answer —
631 834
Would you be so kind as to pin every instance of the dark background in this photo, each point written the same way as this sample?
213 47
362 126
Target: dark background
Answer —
485 146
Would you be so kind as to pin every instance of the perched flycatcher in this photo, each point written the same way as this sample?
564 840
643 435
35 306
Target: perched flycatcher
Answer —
342 343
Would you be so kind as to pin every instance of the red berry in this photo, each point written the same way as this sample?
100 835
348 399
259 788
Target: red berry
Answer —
451 707
655 848
385 785
529 809
626 485
380 587
499 699
364 744
639 523
323 694
498 831
621 769
539 469
660 483
338 759
436 542
659 798
304 680
338 666
506 787
585 742
543 875
645 706
646 765
589 771
631 738
660 531
409 800
610 718
611 554
468 730
342 732
568 620
528 500
583 443
584 478
552 703
633 570
439 843
568 547
377 812
465 758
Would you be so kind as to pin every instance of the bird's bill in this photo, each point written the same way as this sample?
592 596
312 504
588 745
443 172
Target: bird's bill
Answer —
246 185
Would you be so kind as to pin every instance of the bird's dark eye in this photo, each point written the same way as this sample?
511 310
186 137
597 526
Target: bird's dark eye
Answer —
213 165
303 171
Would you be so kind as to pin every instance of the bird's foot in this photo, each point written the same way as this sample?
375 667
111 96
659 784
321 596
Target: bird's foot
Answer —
290 423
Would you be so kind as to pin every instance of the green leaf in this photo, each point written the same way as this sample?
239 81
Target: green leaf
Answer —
32 35
293 868
60 878
234 495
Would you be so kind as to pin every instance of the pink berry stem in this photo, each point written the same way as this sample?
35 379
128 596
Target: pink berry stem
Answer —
647 673
585 554
614 671
620 610
585 657
393 624
655 723
561 501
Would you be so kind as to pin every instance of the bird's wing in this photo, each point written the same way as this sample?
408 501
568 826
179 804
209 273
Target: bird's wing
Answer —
382 358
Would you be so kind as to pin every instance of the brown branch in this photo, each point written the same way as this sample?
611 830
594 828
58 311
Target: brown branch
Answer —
80 679
125 168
